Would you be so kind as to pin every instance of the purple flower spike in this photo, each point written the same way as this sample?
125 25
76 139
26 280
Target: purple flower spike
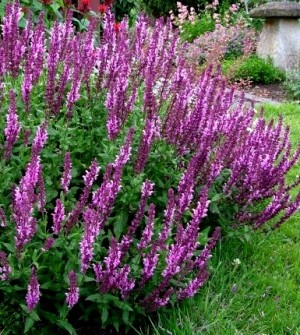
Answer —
40 139
72 296
12 129
193 286
89 178
147 190
58 217
124 284
2 218
91 230
91 175
33 290
66 177
48 244
5 269
148 231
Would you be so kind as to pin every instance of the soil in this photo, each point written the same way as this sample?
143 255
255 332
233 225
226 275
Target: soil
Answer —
274 92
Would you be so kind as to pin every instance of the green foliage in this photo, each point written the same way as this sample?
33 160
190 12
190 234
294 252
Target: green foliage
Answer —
255 69
127 7
292 84
235 47
201 25
53 11
159 8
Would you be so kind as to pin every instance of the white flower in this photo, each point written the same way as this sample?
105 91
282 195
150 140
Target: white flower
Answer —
236 262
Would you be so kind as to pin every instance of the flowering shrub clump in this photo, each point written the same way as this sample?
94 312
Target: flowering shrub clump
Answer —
114 159
215 36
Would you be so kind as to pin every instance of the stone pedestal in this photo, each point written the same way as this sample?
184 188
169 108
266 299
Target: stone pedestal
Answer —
280 37
280 41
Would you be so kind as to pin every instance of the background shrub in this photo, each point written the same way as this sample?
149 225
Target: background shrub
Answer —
292 84
255 69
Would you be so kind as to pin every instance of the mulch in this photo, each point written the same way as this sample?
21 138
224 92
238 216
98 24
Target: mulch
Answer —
274 92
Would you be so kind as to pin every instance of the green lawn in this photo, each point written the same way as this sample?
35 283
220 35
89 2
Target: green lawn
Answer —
261 295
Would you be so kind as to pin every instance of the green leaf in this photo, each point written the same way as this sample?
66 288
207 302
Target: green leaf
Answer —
34 316
24 307
125 317
214 208
28 324
116 323
48 181
89 279
55 6
10 247
51 317
22 23
38 5
104 315
63 312
67 326
35 255
119 224
94 297
216 197
46 286
123 305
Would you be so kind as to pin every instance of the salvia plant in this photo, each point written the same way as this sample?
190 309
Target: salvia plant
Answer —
120 167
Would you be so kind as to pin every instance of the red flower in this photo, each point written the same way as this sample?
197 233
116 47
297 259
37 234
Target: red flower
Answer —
108 3
25 9
46 2
117 26
84 6
67 3
103 8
